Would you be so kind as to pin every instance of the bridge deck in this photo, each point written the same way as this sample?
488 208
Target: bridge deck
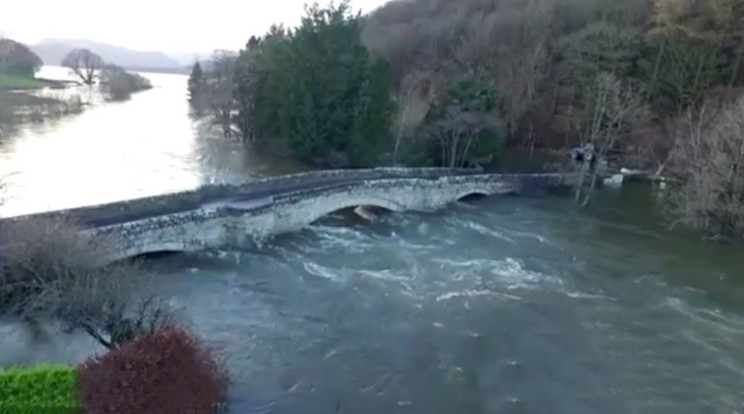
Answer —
232 215
141 208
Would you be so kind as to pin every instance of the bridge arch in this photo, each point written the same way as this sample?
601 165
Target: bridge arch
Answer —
474 192
342 203
153 248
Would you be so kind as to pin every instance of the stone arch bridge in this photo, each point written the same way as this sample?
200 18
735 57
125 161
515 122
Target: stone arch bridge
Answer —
235 215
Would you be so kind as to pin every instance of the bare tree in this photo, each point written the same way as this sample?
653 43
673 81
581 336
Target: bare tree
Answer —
519 77
613 108
84 63
709 157
50 270
511 41
220 87
404 105
457 133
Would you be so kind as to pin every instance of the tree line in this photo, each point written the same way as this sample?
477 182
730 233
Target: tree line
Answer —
653 84
440 82
17 59
116 83
313 90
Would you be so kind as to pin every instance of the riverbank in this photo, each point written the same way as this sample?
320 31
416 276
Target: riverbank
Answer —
19 83
516 292
23 83
21 107
26 100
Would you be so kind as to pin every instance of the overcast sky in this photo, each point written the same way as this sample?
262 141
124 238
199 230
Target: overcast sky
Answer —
166 25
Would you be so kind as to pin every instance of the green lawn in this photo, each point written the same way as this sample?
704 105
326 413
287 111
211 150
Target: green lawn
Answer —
19 82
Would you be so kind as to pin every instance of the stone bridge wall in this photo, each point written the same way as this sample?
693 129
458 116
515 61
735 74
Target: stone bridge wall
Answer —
253 221
135 209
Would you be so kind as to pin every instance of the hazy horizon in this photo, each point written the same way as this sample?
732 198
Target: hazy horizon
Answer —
164 26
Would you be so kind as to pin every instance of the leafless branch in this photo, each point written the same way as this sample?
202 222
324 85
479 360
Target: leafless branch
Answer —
83 63
709 157
50 271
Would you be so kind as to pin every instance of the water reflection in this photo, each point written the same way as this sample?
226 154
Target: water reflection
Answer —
123 150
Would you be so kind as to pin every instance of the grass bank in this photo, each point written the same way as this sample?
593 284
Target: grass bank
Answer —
19 82
19 107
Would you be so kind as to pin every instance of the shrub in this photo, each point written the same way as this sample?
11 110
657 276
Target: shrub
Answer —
44 388
50 269
119 84
167 372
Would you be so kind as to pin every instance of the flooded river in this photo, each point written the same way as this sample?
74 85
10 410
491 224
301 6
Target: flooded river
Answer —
498 305
120 150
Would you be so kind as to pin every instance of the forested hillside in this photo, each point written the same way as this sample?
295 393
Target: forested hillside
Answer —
544 58
650 84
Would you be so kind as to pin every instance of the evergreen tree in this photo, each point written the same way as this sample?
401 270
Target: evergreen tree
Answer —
17 59
247 76
318 89
196 83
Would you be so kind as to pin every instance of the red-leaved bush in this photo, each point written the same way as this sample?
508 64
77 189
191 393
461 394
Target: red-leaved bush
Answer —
167 372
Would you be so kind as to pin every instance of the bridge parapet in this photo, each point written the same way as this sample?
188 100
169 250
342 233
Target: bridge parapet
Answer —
134 209
246 222
246 214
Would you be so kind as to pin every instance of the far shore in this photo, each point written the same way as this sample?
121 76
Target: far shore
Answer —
19 83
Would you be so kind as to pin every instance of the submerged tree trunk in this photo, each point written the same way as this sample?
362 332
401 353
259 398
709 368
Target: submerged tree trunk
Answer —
465 151
453 151
580 184
657 66
592 186
401 124
737 62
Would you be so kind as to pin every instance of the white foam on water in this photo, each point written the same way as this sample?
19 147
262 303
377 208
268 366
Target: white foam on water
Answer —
385 274
529 235
469 293
512 271
409 245
473 263
705 317
509 272
326 231
349 239
583 295
481 229
465 293
322 271
695 338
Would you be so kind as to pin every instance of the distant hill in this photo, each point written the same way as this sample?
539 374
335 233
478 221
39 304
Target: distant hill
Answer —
52 51
185 59
206 65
